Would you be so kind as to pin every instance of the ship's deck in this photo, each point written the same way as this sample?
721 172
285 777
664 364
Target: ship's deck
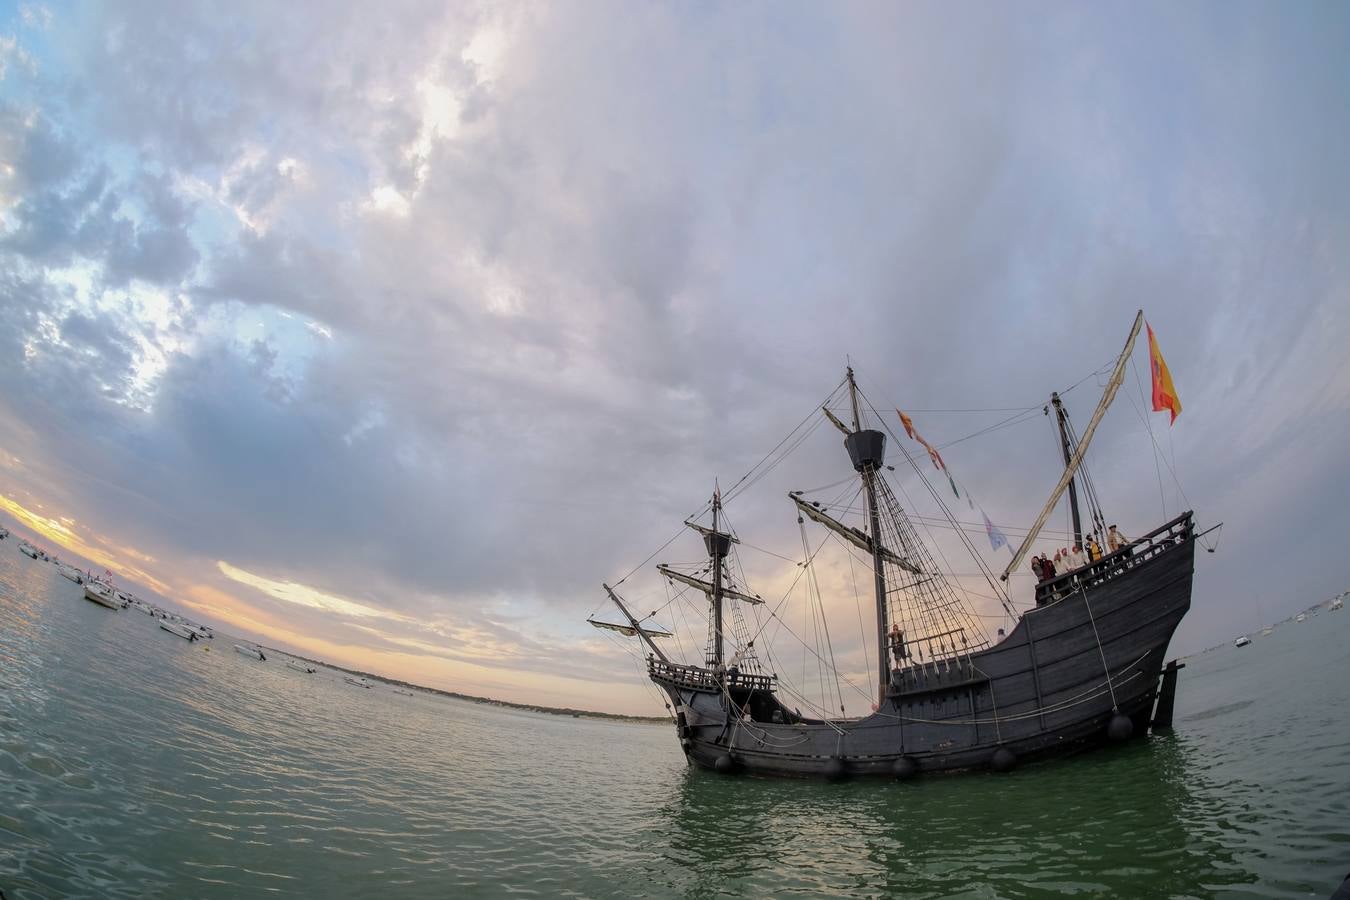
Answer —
1112 566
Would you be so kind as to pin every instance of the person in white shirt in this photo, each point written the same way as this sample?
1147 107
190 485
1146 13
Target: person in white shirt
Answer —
734 664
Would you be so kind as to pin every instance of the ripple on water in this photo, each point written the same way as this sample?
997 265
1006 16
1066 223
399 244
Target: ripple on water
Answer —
132 766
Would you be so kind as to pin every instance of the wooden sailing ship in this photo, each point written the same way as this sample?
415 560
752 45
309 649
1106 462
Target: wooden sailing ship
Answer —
1082 667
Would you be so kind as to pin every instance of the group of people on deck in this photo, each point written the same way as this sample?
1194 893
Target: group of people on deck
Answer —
1065 560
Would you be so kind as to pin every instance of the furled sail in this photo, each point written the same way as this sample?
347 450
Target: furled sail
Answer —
857 538
629 630
706 586
705 531
1117 376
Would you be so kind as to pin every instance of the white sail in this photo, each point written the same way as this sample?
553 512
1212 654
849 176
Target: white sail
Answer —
857 538
706 586
1117 376
629 630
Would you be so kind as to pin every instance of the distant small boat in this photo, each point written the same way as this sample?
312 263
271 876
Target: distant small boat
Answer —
181 630
101 594
403 692
29 550
1338 603
300 667
4 533
71 572
1242 641
359 682
1267 630
202 631
250 651
1300 617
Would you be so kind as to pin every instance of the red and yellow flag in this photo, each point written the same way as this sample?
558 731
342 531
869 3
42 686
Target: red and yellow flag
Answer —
1164 393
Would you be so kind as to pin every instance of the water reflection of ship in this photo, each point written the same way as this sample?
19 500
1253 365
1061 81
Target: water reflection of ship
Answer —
1150 827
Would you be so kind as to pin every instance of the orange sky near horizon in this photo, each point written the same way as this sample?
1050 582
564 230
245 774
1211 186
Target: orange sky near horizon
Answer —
423 663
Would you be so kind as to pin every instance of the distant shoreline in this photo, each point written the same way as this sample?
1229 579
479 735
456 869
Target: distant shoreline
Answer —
455 695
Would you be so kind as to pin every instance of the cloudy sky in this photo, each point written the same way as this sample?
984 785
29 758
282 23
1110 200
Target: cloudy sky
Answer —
388 333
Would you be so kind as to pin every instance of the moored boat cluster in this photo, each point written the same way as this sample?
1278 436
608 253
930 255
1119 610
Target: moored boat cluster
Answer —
102 591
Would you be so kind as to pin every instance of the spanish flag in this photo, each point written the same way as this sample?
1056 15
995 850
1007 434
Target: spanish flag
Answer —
1164 393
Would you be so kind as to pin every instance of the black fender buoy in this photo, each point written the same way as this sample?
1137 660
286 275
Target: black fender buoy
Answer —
1002 760
724 764
905 768
1120 728
834 768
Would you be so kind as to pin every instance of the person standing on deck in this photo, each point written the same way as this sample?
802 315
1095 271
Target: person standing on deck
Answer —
734 664
1037 570
1094 549
1115 540
897 638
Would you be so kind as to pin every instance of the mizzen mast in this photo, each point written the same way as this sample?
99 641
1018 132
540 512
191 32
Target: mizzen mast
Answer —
1076 459
1060 419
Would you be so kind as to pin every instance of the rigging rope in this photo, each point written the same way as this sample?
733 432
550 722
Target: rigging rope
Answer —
1115 706
1162 499
931 604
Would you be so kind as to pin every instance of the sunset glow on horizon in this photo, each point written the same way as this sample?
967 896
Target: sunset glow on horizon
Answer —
393 344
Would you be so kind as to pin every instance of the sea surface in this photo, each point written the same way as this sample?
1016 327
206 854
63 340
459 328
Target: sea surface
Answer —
134 764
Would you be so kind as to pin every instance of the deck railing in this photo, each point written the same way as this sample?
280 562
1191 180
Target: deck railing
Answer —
1156 542
706 679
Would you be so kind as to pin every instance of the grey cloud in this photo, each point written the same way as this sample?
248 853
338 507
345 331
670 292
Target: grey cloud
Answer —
647 249
72 209
101 336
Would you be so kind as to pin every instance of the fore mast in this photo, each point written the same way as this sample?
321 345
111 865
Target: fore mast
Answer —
867 450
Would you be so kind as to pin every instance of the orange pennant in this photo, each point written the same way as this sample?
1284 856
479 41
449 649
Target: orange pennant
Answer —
1164 392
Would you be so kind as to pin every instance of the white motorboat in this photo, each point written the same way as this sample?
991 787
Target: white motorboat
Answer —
300 667
71 573
29 550
403 692
1300 617
1242 641
356 680
250 651
1338 603
203 631
101 594
181 630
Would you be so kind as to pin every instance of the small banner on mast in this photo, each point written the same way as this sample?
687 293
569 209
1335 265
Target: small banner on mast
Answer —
1164 392
996 538
932 451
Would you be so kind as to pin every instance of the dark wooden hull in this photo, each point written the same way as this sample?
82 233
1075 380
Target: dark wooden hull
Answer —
1041 692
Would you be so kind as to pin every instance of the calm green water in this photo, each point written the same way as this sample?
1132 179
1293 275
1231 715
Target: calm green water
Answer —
133 764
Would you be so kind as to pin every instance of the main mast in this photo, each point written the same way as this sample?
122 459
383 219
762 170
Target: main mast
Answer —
867 450
1060 418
